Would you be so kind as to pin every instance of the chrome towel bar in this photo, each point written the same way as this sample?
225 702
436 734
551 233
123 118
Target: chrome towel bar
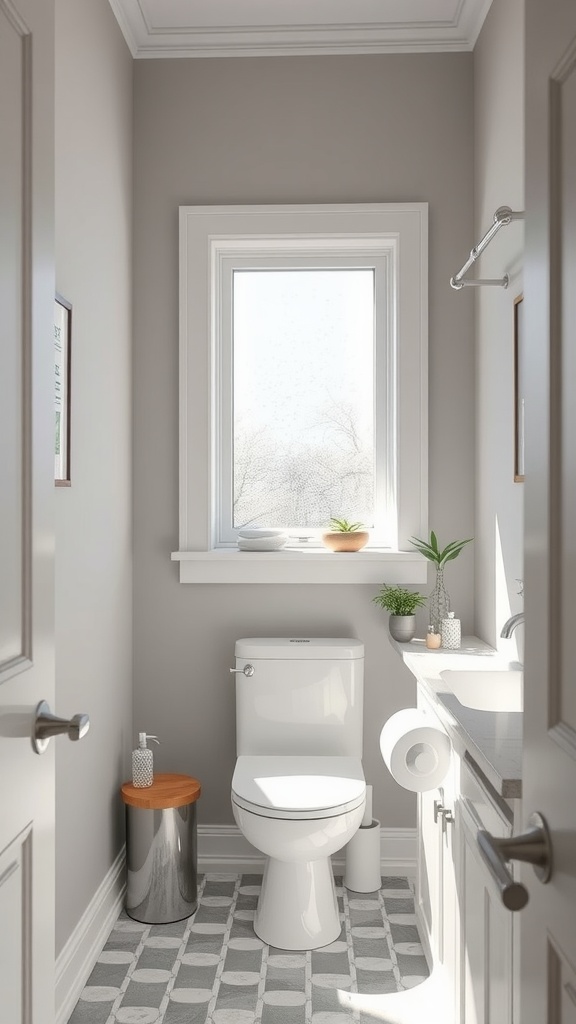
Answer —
504 215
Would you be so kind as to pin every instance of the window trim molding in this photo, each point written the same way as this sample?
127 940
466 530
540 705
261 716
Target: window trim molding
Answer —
208 234
349 252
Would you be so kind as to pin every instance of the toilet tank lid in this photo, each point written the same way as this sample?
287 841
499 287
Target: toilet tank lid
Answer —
299 648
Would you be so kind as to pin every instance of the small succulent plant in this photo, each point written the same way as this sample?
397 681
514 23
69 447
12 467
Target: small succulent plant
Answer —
343 526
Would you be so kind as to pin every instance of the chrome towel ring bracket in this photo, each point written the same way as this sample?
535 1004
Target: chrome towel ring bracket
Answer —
503 216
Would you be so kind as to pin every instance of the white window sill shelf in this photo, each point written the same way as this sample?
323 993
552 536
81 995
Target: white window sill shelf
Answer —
373 566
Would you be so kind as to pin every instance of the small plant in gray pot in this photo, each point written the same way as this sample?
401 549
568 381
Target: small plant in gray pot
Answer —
401 604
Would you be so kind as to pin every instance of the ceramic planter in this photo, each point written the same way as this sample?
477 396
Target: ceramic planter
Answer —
338 541
402 627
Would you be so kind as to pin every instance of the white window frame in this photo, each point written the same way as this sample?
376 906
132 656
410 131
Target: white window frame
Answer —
308 254
214 241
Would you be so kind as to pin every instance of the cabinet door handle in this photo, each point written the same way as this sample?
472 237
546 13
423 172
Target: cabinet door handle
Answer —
439 809
532 847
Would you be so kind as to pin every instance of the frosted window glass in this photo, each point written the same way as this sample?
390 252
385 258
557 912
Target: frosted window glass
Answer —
303 394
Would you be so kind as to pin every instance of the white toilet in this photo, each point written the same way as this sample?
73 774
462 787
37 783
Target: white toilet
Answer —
298 790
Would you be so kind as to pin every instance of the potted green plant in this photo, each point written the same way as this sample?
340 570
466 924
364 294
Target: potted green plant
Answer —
345 536
401 604
439 600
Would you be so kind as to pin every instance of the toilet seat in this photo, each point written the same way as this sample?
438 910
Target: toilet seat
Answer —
298 787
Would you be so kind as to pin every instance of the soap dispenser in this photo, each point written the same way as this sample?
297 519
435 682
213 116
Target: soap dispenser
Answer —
143 762
451 633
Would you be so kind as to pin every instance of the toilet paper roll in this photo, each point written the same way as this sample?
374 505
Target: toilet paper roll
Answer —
416 754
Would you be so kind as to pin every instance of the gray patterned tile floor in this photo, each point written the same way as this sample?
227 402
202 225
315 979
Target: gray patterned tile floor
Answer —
212 969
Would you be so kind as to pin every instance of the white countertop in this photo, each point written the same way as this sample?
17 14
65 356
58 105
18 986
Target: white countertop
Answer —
493 739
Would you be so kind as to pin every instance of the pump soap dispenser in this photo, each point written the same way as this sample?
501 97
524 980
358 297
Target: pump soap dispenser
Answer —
143 762
451 633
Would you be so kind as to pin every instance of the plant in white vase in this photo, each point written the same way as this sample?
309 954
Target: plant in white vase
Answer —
439 600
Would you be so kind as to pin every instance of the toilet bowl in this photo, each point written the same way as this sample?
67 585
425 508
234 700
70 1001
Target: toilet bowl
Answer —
298 810
298 791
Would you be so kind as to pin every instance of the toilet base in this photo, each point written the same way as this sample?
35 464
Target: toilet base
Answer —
288 886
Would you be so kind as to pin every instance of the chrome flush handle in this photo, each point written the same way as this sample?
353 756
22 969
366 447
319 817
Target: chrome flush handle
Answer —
248 670
46 725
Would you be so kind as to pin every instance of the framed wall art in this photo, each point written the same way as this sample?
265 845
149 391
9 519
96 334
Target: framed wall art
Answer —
519 389
62 362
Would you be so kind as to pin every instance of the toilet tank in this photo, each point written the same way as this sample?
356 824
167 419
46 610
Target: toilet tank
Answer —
306 696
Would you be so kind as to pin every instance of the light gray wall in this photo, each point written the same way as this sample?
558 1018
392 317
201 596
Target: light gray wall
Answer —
311 129
93 516
499 181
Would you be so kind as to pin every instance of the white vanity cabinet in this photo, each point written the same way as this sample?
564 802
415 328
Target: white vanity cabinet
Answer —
487 946
437 884
438 853
470 934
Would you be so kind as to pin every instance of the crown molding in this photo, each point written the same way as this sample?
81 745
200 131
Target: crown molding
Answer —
475 17
152 30
119 9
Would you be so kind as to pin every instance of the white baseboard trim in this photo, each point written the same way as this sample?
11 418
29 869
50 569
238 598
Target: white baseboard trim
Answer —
223 848
77 958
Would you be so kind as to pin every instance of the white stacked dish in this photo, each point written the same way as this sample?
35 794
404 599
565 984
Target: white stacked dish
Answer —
257 539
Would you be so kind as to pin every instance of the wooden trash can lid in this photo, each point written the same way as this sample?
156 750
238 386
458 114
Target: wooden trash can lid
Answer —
168 790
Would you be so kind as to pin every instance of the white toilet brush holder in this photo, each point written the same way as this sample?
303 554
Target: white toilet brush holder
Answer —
362 872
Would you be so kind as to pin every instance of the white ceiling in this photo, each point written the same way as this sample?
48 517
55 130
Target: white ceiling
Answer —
236 28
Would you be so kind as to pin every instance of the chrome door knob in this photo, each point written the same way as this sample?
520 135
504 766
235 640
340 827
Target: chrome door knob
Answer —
532 847
47 725
248 670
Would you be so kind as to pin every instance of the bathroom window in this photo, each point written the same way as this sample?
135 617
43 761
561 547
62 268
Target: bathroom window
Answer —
303 341
302 359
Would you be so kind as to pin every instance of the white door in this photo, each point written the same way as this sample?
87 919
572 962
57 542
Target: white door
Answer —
548 923
26 500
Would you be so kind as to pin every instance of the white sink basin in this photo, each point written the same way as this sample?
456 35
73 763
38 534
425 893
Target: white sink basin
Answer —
487 689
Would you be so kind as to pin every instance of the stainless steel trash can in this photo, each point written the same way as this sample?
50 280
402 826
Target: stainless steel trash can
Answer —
161 849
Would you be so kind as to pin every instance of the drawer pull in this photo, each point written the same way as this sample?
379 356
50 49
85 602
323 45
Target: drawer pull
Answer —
532 847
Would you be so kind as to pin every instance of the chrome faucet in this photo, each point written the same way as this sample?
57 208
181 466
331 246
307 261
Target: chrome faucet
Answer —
511 624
